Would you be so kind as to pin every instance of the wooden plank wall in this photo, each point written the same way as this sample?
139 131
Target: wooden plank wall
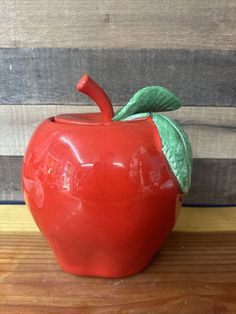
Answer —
185 45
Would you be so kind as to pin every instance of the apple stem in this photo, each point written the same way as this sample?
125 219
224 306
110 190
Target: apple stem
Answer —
89 87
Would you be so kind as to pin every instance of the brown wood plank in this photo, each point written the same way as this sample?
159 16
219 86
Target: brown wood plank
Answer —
211 130
193 273
111 24
213 181
48 76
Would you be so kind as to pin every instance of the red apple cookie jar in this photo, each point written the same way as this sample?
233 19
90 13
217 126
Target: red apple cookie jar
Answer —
105 188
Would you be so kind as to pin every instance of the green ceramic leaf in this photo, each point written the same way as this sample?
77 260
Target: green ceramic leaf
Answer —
149 99
176 148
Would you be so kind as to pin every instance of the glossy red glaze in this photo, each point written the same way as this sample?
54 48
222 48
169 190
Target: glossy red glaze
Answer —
89 87
101 192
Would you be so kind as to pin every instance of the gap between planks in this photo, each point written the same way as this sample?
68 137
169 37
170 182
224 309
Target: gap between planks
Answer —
17 218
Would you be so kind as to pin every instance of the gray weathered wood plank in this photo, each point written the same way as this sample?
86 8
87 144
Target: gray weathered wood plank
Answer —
10 178
199 77
211 129
111 24
213 181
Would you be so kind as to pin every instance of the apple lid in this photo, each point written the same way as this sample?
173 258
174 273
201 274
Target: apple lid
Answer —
80 118
91 119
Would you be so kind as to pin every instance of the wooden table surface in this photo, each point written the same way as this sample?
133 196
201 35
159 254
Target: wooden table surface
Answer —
195 271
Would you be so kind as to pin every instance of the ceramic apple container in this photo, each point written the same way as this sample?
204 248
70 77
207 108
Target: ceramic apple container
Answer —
105 189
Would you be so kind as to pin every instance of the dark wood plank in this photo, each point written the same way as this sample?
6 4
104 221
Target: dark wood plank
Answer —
10 178
111 24
199 77
194 273
213 181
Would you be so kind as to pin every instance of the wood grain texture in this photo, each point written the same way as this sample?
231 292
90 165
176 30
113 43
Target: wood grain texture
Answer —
206 219
10 178
48 76
211 130
125 24
192 274
213 181
191 219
